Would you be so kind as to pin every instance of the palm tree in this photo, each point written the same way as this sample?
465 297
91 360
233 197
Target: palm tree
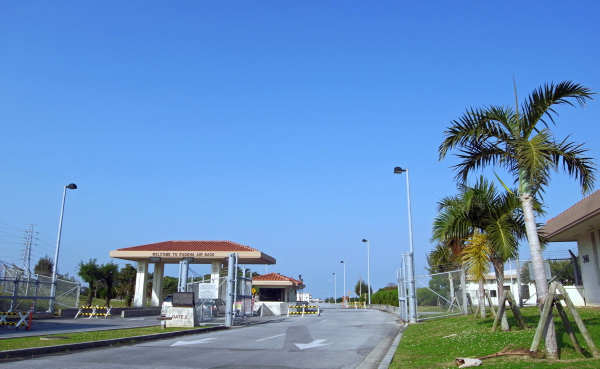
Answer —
523 144
480 221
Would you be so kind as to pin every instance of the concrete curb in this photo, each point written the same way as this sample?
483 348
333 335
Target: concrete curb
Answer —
86 345
387 360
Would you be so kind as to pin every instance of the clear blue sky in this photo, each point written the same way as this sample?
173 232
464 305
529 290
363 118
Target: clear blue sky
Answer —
274 124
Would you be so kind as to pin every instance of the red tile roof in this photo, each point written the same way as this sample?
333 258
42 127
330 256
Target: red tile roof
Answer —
276 277
191 246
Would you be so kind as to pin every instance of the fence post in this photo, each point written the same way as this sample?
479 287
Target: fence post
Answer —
463 286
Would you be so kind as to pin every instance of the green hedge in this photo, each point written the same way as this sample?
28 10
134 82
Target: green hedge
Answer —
389 297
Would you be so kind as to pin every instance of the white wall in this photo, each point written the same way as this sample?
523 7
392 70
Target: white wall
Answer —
589 260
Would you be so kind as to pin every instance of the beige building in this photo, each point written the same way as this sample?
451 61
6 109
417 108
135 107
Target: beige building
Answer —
581 223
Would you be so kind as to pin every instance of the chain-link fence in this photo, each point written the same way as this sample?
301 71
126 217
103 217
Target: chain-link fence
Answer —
20 291
440 294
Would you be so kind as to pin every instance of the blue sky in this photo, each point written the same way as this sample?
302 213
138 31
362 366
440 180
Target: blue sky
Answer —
274 124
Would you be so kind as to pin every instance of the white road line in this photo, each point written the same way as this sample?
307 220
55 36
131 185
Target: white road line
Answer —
323 321
268 338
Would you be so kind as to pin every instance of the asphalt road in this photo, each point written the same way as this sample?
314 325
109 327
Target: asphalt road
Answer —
339 338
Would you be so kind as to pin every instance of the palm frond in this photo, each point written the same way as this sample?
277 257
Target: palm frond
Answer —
539 104
476 256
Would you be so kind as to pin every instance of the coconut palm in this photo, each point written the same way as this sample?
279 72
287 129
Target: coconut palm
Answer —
521 142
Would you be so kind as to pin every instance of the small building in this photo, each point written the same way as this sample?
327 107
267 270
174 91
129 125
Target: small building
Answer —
581 223
304 296
491 288
275 292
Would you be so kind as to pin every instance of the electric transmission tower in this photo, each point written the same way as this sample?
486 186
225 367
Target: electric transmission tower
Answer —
26 259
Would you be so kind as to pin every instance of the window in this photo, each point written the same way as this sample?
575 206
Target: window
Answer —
271 294
493 293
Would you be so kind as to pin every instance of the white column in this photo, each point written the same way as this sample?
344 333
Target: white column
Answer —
141 281
157 282
215 271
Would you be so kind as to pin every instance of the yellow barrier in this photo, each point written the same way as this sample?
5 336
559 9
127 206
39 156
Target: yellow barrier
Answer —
94 311
304 311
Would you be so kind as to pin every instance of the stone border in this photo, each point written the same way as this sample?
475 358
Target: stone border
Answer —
8 354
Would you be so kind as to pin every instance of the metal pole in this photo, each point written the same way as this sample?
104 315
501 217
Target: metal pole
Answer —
230 275
412 289
411 262
368 271
71 186
334 289
344 291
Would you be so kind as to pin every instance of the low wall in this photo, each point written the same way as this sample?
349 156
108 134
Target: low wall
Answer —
388 308
271 308
576 293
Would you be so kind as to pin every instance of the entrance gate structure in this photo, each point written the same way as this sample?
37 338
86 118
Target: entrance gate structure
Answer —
215 253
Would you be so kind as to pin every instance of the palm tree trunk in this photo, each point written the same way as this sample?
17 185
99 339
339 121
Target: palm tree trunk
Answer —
482 298
499 269
539 272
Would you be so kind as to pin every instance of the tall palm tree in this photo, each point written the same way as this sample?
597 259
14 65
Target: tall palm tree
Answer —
523 144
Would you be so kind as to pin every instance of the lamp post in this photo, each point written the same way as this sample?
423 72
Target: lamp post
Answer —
368 271
344 294
412 302
334 289
70 186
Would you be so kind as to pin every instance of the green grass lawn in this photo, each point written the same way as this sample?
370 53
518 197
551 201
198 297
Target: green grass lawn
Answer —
436 343
67 338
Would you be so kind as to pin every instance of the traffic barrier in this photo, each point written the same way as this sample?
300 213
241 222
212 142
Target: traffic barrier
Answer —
22 318
304 310
94 312
356 305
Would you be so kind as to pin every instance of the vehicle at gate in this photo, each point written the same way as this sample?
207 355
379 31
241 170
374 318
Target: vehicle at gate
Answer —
216 306
166 303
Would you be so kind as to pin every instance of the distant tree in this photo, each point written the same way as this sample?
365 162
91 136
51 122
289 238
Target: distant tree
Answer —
44 266
109 273
361 288
562 271
169 285
126 283
90 273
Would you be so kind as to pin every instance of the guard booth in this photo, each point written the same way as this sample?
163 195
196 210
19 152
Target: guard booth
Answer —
275 292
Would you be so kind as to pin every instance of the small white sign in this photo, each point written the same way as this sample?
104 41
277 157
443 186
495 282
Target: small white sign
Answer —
207 291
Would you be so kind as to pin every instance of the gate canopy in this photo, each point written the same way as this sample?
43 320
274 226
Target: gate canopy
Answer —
196 252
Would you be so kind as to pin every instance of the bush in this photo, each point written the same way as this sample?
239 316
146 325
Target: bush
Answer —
389 297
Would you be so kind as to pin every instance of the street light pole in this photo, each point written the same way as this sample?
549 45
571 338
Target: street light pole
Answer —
344 294
412 302
334 289
70 186
368 271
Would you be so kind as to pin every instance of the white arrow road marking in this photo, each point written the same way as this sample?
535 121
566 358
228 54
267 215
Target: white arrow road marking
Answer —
181 343
315 343
268 338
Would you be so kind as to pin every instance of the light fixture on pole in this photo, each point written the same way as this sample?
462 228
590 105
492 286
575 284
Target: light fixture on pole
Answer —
70 186
368 271
412 302
344 294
